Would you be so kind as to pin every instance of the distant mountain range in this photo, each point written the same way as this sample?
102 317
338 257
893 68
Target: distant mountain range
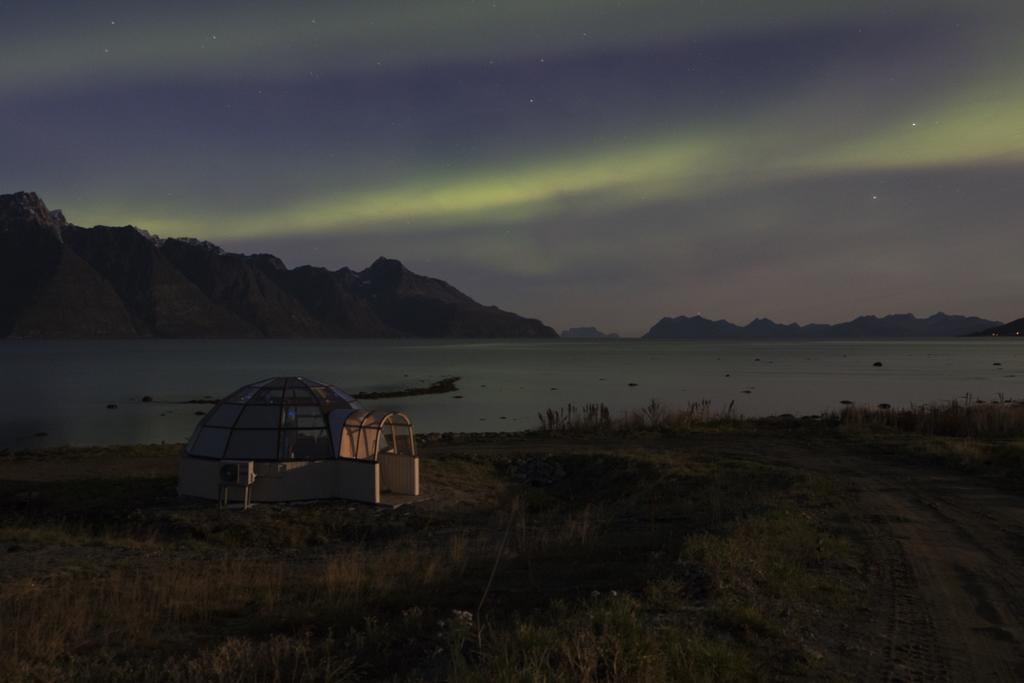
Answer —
1014 329
61 280
587 333
903 325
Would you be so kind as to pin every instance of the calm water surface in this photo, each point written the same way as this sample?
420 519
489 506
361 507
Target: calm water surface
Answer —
62 388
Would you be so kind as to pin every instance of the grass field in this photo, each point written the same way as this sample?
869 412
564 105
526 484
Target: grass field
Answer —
691 553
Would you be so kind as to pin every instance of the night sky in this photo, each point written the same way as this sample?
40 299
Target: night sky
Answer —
589 163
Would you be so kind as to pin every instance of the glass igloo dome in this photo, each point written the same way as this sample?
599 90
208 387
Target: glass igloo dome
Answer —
282 418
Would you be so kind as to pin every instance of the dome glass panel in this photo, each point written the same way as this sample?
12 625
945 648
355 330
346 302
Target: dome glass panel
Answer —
282 418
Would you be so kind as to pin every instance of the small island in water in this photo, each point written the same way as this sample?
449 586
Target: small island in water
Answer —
587 333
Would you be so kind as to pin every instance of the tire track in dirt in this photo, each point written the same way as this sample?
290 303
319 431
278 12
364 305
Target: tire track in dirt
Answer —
948 549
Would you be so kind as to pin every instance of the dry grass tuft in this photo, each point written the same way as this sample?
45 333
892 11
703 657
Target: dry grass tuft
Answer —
47 623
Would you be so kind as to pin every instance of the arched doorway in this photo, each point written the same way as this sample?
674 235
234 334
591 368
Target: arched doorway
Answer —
387 438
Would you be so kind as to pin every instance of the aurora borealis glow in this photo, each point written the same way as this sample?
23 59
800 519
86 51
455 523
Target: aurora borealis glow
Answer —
589 163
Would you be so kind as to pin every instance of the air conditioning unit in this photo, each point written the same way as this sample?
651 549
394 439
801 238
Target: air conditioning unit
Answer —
237 472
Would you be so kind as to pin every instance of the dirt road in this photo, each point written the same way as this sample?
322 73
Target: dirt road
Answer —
949 550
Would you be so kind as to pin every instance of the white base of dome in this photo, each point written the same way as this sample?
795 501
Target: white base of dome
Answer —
346 478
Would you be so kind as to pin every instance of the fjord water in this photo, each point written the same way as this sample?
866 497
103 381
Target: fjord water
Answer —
63 388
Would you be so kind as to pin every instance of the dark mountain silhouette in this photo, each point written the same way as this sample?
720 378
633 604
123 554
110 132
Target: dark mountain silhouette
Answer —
1014 329
61 280
587 333
904 325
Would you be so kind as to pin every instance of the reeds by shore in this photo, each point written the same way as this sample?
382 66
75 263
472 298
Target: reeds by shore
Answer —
655 416
963 418
967 417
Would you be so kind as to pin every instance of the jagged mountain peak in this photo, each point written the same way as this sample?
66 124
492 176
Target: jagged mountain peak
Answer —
269 261
27 206
384 269
193 242
28 209
385 262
